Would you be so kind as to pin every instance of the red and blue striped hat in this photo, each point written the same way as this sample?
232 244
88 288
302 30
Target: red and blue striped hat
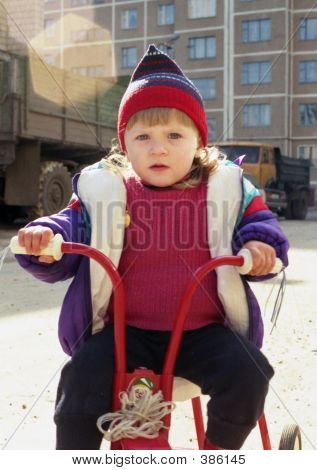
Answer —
158 81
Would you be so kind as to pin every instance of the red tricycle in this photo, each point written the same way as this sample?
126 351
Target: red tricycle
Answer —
165 384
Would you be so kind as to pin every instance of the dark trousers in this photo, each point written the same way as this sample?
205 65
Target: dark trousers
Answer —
226 366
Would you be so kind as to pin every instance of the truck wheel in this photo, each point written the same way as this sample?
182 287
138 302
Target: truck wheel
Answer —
300 206
55 189
288 211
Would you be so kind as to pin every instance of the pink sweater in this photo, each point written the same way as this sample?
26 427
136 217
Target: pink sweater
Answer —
164 244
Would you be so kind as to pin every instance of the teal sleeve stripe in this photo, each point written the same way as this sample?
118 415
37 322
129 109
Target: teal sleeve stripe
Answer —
250 192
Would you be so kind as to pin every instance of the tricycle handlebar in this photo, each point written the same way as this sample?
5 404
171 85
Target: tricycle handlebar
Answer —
56 248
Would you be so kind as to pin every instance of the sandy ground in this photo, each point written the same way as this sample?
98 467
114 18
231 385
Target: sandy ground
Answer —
31 357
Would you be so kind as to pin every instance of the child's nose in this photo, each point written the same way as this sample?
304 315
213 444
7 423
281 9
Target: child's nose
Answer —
158 148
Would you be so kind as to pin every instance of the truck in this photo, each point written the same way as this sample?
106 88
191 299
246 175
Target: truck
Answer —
286 180
52 123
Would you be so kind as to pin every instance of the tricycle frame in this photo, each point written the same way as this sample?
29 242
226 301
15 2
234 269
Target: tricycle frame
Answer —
164 381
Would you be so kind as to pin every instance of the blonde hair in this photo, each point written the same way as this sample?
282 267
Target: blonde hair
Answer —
203 164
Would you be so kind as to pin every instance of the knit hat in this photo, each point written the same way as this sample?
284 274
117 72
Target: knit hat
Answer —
158 81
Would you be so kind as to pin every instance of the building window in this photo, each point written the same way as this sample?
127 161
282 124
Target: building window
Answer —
308 152
256 72
166 14
308 29
87 35
49 59
256 30
49 27
79 3
201 8
90 71
167 48
256 115
164 47
202 48
96 34
80 71
129 57
308 114
308 71
79 36
212 136
99 71
129 19
206 87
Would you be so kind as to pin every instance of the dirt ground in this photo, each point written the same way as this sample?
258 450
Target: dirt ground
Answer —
31 357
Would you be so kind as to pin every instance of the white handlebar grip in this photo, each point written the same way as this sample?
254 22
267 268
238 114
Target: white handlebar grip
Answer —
52 249
247 265
278 266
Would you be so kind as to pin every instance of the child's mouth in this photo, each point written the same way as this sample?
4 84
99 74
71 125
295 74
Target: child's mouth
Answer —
158 167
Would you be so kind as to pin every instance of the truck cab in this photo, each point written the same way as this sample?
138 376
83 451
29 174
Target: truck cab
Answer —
286 180
259 159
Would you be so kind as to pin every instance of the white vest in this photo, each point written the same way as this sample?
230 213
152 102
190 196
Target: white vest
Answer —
104 195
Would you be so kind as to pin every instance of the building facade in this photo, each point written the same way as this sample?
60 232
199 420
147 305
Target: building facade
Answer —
254 61
20 23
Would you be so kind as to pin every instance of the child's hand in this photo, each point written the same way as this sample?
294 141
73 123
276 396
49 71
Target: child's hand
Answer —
263 257
35 239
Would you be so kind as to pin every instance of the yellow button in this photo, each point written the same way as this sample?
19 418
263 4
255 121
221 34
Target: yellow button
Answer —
127 219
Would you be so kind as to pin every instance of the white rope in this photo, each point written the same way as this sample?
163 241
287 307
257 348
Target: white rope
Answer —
140 415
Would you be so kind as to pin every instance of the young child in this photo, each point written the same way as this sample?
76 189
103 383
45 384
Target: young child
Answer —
173 207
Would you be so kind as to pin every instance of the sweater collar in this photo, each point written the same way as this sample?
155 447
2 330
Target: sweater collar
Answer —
144 183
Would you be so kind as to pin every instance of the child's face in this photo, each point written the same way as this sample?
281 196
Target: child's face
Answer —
161 155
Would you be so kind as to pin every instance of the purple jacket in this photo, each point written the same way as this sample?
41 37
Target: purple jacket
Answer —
255 222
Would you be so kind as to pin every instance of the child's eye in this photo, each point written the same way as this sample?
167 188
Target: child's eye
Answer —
175 135
142 137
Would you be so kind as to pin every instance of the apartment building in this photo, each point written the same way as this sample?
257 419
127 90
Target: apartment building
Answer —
274 89
20 23
254 61
3 30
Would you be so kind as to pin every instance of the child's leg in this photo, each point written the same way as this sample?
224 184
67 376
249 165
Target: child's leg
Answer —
84 393
234 373
85 388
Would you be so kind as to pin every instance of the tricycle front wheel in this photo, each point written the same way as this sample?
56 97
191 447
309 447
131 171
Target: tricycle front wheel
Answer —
291 438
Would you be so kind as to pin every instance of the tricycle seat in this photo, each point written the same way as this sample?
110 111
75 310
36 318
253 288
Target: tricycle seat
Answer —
184 390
